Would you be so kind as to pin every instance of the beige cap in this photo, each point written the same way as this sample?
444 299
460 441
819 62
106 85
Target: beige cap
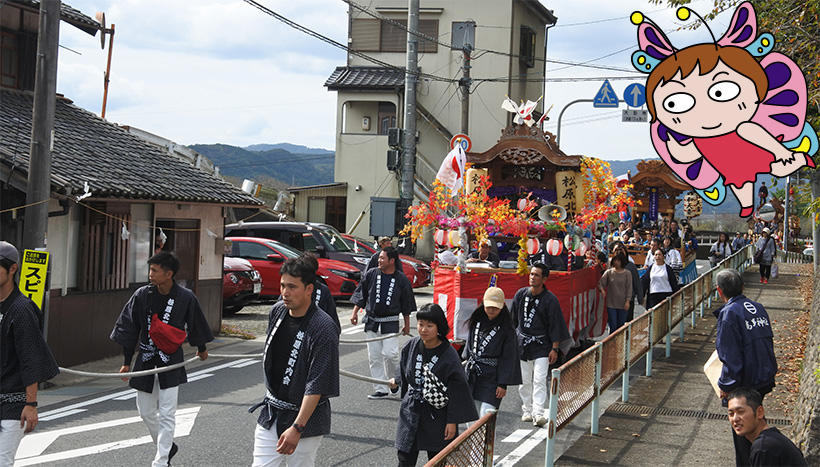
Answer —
766 230
494 296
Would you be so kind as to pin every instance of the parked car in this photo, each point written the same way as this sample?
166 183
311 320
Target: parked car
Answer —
267 257
241 284
322 239
416 270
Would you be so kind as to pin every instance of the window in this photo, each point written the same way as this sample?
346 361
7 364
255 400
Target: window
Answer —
371 35
526 54
251 250
387 117
308 241
104 264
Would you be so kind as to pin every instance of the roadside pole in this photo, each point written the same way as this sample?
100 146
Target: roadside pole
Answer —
408 160
38 188
786 207
465 83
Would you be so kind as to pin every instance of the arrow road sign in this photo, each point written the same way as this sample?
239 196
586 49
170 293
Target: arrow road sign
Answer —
635 95
606 97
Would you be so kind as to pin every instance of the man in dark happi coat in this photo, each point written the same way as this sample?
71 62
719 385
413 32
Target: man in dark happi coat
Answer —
171 310
491 352
383 243
541 329
321 293
301 367
25 359
385 293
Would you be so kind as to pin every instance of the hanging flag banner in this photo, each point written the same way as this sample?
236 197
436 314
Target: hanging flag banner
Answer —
451 172
568 190
653 204
33 275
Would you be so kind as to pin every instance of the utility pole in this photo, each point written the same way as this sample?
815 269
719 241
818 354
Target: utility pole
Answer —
465 83
786 216
814 179
408 160
38 188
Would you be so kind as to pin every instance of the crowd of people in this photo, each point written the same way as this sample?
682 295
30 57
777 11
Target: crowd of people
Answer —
439 387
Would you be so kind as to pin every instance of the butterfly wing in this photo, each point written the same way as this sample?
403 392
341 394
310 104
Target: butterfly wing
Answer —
699 174
743 28
783 110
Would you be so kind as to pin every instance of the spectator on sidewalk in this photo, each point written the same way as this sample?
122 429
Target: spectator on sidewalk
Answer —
26 358
654 245
769 446
738 242
720 250
637 286
659 281
744 345
766 247
617 284
672 255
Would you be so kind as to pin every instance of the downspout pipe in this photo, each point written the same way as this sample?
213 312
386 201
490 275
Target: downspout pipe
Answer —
544 90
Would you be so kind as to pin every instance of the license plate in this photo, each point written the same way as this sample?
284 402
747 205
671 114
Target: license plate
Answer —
257 288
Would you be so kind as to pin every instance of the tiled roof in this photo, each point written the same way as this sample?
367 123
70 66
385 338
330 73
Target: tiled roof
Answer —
115 163
365 77
67 14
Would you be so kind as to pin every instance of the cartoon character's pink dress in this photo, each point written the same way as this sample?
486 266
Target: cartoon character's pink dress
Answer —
737 159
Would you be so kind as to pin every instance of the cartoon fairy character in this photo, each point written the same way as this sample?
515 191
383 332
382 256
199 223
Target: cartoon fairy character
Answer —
721 117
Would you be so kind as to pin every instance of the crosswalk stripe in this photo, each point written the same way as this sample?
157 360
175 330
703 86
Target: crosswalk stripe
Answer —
516 436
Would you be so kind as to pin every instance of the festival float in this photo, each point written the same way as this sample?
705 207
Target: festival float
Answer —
526 196
659 191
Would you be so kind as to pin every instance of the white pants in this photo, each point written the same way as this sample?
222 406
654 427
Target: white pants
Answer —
533 389
10 435
384 359
158 410
265 455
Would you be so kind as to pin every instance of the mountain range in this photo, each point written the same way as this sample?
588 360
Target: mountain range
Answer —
284 164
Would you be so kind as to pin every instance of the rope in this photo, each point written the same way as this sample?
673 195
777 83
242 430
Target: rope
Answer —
130 374
370 339
363 378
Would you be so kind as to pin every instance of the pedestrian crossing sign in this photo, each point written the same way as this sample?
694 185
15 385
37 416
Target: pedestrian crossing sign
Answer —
606 97
33 275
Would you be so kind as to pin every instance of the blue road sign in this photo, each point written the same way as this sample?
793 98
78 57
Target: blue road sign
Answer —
635 95
606 97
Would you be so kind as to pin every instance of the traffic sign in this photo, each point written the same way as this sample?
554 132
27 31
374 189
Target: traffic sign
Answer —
635 115
33 275
463 140
606 97
635 95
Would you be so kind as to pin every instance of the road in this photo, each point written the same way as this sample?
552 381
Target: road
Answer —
99 425
96 423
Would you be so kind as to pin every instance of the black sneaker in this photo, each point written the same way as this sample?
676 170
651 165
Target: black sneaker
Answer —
172 452
395 389
377 395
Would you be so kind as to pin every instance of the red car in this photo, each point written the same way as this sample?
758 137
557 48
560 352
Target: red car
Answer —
267 257
241 284
417 271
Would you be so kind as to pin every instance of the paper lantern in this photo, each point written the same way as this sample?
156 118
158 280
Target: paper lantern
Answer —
554 247
581 250
453 238
522 204
571 242
533 245
440 237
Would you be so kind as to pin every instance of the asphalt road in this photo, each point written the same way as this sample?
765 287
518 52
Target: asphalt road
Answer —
96 423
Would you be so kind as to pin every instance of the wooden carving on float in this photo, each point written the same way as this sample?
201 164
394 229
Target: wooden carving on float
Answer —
653 173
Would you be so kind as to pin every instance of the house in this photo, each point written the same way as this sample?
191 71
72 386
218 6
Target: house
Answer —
139 199
509 43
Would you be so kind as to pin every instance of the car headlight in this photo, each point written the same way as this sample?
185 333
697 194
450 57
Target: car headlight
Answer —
361 260
255 275
415 266
233 278
345 274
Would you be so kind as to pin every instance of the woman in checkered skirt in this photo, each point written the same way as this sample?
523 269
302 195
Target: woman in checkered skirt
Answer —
421 425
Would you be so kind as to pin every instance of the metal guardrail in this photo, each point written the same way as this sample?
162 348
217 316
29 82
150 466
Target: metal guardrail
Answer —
472 448
793 257
579 382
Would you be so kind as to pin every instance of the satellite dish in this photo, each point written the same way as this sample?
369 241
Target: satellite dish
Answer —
766 212
552 213
101 19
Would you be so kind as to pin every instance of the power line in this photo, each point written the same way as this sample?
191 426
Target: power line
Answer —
334 43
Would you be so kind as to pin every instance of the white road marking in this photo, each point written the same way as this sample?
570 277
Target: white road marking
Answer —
523 449
130 395
353 329
517 436
85 404
33 445
198 377
61 415
244 364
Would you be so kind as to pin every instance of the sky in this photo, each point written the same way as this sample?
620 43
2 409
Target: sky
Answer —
221 71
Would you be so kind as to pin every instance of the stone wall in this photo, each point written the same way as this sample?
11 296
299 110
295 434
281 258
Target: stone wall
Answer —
806 415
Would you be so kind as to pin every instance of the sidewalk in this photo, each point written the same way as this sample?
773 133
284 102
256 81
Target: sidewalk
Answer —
674 417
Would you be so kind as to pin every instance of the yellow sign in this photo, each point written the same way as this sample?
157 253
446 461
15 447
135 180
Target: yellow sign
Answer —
569 191
33 275
473 178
